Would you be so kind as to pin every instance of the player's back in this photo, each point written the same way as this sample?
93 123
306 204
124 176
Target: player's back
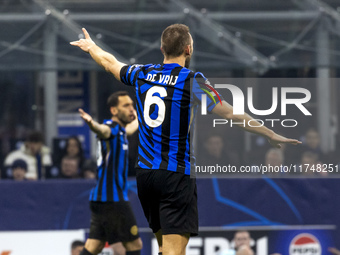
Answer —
165 109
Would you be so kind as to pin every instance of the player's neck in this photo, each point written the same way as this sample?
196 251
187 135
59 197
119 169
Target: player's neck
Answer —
115 119
178 60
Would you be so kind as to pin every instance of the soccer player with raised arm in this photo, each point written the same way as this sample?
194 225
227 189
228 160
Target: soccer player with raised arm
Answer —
112 219
165 110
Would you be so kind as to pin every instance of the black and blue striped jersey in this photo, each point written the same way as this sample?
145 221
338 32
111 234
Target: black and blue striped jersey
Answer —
166 110
112 166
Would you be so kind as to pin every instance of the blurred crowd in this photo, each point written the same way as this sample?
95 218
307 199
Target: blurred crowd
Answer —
31 159
306 159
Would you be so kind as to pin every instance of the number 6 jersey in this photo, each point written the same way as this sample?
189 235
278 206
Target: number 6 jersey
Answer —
167 97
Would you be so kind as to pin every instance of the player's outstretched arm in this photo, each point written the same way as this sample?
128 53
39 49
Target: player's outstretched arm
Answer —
133 126
334 251
103 131
103 58
226 111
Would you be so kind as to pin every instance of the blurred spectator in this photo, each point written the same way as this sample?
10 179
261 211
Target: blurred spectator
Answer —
242 244
311 143
274 157
89 169
311 165
19 169
69 168
73 148
36 155
274 160
214 152
76 247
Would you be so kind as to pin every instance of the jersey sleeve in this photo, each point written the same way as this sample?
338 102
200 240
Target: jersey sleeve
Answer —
114 130
114 127
201 86
129 74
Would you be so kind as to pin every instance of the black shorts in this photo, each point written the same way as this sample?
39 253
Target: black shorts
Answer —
169 201
113 222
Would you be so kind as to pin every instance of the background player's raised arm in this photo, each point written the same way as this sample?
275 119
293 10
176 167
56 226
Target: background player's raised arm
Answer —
103 131
103 58
226 111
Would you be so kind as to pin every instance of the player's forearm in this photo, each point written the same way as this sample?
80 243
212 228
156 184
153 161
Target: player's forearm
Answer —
256 127
94 126
103 58
101 130
226 111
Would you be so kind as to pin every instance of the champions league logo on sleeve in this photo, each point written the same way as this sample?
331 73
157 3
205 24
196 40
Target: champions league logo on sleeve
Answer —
204 98
305 244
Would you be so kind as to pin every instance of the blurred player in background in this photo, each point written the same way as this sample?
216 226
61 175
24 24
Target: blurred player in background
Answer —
112 219
165 109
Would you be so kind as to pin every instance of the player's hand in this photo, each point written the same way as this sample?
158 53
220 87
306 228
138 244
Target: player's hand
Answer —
85 116
134 114
276 140
84 44
334 251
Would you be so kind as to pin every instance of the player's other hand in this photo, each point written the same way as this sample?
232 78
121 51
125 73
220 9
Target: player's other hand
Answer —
84 44
276 140
85 116
334 251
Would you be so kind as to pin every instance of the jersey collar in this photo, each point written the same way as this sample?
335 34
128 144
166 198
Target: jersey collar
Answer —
171 65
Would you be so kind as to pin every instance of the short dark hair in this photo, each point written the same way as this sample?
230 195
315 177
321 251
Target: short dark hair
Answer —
174 39
19 163
76 244
35 137
241 231
113 100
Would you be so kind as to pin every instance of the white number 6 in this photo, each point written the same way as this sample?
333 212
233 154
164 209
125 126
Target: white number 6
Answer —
150 99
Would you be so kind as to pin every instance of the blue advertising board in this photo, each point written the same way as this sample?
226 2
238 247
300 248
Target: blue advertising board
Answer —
289 216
